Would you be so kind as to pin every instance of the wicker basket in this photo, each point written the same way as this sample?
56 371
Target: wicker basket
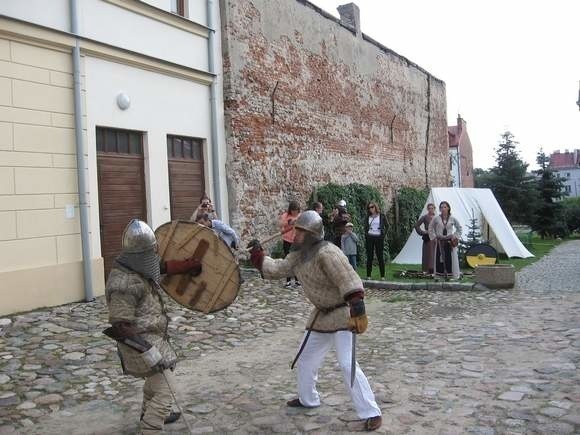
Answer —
496 275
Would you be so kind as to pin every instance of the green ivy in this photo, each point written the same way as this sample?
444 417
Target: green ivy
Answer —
401 214
357 197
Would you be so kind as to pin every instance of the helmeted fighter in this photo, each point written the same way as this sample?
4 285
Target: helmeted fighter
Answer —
139 321
336 291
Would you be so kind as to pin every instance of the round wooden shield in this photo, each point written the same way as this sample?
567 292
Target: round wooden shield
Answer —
219 282
481 254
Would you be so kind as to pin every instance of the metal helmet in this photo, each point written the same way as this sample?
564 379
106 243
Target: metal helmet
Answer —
341 203
138 237
312 222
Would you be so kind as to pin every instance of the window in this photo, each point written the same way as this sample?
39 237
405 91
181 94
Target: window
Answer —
185 148
178 7
567 174
568 189
114 140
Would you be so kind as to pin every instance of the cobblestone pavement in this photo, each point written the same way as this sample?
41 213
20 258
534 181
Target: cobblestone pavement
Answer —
497 362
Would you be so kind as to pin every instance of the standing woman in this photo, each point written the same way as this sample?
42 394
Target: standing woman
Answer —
428 244
445 230
287 220
375 230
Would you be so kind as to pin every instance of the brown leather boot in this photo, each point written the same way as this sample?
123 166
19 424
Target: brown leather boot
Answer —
373 423
295 403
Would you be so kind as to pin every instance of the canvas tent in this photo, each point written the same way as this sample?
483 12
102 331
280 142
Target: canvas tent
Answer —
494 226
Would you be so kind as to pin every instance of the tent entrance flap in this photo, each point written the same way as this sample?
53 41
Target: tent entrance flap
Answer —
465 203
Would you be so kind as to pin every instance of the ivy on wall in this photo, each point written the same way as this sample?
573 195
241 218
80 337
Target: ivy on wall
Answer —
401 214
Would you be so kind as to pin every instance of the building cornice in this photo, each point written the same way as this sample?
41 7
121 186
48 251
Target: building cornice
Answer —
161 15
46 37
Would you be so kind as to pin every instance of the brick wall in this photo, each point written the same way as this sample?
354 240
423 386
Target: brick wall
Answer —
308 102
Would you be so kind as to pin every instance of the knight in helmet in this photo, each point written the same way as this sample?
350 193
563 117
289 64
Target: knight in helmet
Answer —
139 321
336 291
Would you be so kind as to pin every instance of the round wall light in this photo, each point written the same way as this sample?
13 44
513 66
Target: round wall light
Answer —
123 101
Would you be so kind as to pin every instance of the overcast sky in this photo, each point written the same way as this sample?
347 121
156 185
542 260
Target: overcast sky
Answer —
507 64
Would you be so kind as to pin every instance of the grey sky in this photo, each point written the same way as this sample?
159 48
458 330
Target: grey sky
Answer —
507 64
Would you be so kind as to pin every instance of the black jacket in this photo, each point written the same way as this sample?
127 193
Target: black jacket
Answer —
382 225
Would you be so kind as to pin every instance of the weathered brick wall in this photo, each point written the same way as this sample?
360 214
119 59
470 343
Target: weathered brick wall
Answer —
307 103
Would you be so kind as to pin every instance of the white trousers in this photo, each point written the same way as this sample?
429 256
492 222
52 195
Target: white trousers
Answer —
311 360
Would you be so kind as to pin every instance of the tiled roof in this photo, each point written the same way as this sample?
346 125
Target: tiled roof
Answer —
565 160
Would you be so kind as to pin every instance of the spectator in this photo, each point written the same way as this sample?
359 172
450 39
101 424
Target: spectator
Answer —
349 242
287 220
205 206
375 231
318 208
340 218
223 230
445 230
428 244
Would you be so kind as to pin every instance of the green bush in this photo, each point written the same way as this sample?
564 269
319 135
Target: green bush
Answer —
401 215
357 197
572 214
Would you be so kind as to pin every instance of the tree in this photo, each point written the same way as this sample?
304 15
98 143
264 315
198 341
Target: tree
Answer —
549 219
473 237
512 186
482 178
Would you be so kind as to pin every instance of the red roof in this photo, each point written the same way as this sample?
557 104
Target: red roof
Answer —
565 160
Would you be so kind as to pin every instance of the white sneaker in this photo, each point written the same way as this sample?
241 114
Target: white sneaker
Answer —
288 284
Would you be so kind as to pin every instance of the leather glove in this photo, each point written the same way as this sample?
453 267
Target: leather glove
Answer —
152 357
176 267
256 254
358 321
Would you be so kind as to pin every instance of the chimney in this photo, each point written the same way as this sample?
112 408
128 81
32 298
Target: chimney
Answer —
350 17
459 124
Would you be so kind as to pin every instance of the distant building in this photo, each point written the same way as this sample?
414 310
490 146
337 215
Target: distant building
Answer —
567 165
460 154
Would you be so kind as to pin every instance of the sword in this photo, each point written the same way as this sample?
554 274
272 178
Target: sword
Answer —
353 360
177 402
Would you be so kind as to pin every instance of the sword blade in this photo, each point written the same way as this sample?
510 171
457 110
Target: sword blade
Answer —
353 360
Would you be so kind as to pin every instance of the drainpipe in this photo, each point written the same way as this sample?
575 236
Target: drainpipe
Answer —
81 161
213 105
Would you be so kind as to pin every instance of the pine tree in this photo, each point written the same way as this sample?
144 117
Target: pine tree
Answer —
473 237
512 186
549 219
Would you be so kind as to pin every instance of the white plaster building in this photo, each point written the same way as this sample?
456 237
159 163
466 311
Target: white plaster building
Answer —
567 166
149 119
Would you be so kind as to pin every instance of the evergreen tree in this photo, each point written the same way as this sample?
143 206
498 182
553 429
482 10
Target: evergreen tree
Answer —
473 237
549 219
512 186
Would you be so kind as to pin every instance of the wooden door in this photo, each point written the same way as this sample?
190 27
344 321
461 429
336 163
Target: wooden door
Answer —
186 179
121 186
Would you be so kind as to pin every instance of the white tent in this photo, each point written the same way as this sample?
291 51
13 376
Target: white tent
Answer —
480 203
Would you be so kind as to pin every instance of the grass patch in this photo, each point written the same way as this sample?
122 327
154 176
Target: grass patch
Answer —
536 245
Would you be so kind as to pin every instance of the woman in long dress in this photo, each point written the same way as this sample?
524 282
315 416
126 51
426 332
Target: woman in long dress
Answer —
422 228
445 230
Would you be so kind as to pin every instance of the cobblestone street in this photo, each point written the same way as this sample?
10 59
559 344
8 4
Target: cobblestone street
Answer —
497 362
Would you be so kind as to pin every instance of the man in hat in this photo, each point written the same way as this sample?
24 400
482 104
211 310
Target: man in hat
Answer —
340 218
336 291
137 315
